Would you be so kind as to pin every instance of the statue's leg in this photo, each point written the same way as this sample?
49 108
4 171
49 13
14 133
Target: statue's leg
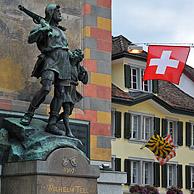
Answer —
39 97
67 111
55 107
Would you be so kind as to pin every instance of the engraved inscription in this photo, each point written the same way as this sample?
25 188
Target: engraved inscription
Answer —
66 189
69 170
71 161
69 165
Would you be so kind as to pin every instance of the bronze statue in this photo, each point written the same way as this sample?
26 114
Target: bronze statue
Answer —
55 65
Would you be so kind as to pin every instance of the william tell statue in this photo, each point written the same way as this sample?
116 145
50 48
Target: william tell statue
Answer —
56 65
38 154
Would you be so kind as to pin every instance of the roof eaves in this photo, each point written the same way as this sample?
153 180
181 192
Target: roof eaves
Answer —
167 106
172 109
128 55
132 102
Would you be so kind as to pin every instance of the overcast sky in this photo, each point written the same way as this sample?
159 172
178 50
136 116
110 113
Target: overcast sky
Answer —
155 21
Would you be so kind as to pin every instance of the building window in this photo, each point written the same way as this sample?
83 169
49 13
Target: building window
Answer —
147 173
134 78
192 177
139 171
135 173
192 134
136 123
147 127
113 122
172 130
137 82
116 163
171 175
146 85
141 127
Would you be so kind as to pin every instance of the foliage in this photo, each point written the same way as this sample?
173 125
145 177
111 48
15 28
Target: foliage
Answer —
143 189
174 190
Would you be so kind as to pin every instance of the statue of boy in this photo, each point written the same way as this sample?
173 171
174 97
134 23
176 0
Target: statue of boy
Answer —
53 64
66 95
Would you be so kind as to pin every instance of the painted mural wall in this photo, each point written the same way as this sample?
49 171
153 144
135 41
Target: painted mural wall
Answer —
88 24
17 57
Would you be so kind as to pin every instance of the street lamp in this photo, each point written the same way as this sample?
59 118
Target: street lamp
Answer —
134 49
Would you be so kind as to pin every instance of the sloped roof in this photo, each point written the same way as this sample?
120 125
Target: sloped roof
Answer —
120 48
169 96
189 72
174 96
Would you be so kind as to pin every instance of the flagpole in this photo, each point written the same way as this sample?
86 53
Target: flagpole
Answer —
164 43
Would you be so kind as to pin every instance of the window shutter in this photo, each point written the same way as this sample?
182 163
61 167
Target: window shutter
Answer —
156 174
155 86
127 72
179 176
127 125
164 127
188 176
117 164
188 134
127 168
164 176
157 125
117 124
180 133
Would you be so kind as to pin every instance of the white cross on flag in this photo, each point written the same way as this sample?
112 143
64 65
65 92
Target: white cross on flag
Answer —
166 62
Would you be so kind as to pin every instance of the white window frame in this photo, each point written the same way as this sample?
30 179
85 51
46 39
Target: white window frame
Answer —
141 171
192 134
137 171
192 178
174 175
149 82
144 128
150 171
139 79
113 162
113 122
138 126
174 133
141 129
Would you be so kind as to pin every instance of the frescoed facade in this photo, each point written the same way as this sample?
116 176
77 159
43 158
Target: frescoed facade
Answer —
88 24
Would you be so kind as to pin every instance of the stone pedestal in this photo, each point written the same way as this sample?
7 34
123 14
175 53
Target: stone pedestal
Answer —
66 170
110 182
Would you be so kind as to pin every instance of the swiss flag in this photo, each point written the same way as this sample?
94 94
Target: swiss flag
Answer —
166 62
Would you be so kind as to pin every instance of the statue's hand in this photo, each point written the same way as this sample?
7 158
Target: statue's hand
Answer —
45 26
45 29
79 54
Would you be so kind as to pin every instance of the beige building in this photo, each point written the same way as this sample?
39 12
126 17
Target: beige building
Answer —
140 108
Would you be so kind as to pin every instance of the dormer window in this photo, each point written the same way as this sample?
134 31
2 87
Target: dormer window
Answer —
134 79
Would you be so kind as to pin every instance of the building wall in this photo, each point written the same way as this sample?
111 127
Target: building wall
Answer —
17 57
118 71
97 44
123 148
88 25
118 74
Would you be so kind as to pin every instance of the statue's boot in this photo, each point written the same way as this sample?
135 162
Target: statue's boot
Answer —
35 103
27 118
52 126
68 129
